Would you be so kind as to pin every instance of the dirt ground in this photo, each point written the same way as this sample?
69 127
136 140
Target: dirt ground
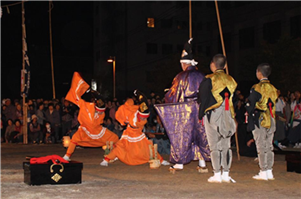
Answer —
122 181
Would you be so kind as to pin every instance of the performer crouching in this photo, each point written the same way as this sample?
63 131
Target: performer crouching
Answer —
90 133
217 112
261 120
133 146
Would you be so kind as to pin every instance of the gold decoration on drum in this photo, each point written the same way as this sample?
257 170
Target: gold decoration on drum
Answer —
56 177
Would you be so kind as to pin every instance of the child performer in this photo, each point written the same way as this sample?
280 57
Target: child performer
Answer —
261 120
217 111
90 133
133 146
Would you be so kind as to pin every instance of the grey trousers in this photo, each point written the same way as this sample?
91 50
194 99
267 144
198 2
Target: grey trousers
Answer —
264 143
219 143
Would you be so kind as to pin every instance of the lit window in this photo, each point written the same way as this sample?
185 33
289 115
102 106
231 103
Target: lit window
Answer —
150 22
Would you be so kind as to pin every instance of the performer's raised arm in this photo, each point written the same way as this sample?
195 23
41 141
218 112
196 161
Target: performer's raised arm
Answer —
78 88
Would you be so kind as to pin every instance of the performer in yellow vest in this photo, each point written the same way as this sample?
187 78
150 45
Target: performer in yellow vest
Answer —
217 113
261 120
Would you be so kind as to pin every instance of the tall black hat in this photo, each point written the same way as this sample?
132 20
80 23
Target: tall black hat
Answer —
186 56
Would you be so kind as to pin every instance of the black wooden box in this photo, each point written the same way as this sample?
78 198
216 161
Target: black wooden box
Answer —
49 173
293 162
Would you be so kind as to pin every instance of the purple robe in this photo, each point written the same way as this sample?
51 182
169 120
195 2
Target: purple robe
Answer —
179 115
185 86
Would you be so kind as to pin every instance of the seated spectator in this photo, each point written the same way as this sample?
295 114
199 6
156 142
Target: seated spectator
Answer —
109 124
40 114
294 134
48 133
118 129
19 113
9 129
35 132
53 116
17 135
10 110
67 116
280 121
112 111
158 134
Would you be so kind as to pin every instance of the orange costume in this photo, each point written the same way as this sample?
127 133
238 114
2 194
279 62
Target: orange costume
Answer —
133 146
90 132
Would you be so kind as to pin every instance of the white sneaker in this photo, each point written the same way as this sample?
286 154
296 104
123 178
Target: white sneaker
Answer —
104 163
262 175
66 158
165 163
177 167
281 146
297 145
216 178
270 175
227 178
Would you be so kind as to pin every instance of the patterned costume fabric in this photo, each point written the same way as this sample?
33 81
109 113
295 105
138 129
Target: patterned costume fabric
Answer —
133 146
187 136
90 133
261 104
180 118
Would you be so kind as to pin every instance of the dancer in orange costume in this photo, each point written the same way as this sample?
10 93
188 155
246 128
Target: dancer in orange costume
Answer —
133 146
90 133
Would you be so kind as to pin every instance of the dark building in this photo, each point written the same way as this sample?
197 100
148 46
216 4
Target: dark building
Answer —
146 38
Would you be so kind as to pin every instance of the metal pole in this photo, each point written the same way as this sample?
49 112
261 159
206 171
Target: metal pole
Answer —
25 140
221 34
114 89
190 21
51 54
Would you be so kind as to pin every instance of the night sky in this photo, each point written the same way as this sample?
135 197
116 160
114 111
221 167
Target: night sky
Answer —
72 36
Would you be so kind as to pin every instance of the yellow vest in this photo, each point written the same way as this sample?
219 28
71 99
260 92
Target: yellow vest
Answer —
267 91
220 80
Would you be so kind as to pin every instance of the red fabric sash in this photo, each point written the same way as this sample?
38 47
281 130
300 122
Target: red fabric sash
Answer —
270 107
227 101
55 159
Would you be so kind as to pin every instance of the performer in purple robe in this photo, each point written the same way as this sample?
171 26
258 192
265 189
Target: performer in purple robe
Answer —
179 115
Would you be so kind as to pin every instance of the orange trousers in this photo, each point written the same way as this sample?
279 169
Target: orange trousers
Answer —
80 138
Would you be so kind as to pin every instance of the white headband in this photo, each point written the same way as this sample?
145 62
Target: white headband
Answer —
187 61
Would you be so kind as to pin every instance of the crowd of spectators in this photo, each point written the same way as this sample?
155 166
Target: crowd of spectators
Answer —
49 120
